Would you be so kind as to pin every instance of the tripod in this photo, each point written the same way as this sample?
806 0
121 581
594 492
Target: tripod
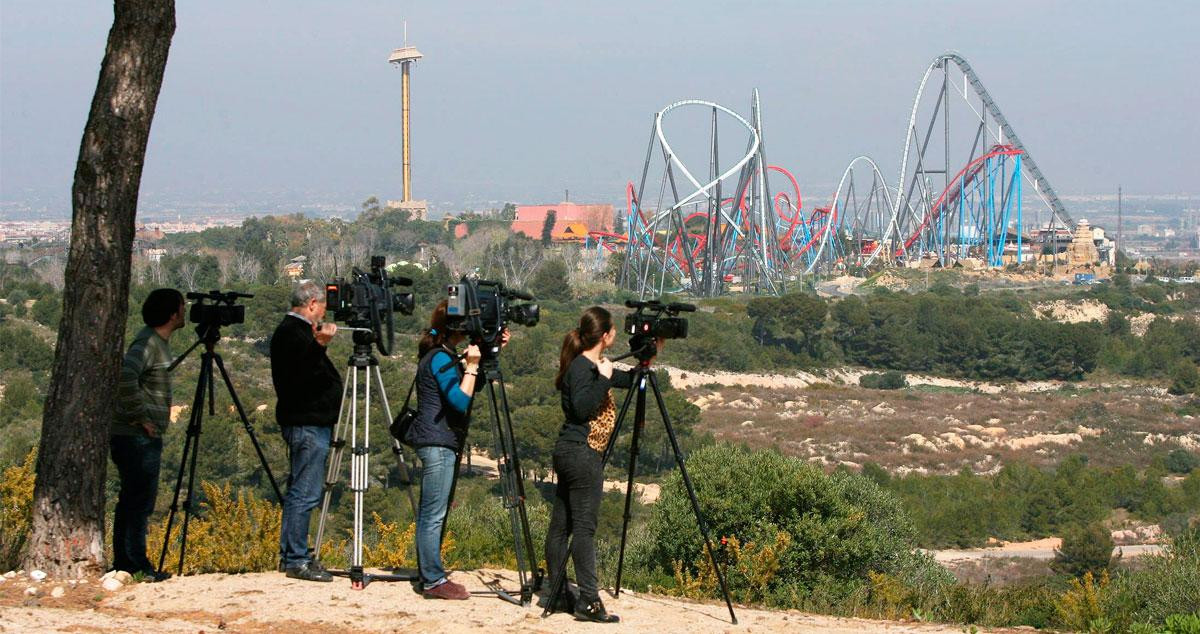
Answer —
361 359
643 376
209 334
512 484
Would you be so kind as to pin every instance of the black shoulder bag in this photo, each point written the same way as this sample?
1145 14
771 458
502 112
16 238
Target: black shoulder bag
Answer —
404 418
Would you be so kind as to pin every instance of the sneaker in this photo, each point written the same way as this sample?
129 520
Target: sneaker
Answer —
594 611
447 590
308 572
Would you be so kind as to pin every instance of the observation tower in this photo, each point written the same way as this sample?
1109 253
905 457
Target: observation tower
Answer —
404 57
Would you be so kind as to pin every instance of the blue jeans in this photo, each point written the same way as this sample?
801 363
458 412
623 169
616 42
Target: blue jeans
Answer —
138 460
308 447
437 476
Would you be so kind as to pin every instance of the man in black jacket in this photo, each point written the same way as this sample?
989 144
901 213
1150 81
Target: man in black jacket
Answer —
309 390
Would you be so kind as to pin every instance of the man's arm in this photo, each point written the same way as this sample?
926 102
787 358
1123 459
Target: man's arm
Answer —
130 397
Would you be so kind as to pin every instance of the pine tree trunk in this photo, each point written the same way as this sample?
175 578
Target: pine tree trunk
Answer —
68 500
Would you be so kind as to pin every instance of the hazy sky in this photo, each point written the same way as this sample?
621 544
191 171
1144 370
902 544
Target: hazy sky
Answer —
520 100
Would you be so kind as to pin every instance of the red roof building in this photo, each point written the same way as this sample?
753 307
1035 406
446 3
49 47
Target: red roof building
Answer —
568 217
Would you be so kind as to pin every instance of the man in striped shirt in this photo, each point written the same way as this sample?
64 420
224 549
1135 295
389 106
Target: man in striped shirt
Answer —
143 412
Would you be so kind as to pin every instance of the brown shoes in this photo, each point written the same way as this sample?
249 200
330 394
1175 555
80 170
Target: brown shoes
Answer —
447 590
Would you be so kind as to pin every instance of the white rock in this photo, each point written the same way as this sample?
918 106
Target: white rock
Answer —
10 574
123 577
31 591
747 423
108 575
37 575
58 592
112 585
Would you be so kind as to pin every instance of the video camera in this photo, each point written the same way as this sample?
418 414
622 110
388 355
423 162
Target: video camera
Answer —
222 311
366 301
654 320
482 309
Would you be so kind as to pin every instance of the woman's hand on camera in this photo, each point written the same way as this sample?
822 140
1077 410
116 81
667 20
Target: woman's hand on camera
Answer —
472 355
605 367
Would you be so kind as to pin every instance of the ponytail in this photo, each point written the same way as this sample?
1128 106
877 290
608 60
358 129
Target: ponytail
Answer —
593 325
437 334
572 346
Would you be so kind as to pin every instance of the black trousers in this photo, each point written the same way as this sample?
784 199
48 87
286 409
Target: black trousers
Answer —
138 460
576 510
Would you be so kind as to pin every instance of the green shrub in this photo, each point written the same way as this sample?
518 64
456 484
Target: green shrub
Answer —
47 311
815 537
1182 461
890 380
1085 550
1163 586
1185 378
16 507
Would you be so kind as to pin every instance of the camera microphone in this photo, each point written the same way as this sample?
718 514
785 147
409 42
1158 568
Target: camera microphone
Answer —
401 281
680 307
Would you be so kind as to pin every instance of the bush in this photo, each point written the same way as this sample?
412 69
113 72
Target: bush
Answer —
16 302
1165 585
1185 378
890 380
16 507
232 533
48 311
1086 550
790 532
1182 461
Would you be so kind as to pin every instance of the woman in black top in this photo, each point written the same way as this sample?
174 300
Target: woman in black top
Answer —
584 378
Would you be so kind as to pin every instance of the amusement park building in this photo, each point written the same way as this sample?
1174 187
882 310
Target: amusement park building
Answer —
571 221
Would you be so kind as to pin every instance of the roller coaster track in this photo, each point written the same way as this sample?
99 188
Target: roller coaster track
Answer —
1008 136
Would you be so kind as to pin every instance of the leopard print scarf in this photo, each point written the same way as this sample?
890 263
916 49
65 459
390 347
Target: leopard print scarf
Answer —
600 428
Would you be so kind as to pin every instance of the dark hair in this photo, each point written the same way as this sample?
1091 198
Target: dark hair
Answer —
594 323
160 306
437 334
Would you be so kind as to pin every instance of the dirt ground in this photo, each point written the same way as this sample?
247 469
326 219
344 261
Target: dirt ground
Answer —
266 602
941 425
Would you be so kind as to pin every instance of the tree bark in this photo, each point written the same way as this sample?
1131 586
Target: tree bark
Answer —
68 500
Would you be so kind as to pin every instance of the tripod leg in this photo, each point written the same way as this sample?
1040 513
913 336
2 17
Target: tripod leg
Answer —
206 379
237 403
397 448
334 467
504 468
357 485
519 486
193 423
691 491
639 423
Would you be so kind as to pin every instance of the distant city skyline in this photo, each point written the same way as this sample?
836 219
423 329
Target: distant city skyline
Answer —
297 110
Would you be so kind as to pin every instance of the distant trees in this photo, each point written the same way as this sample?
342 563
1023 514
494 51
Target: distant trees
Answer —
551 281
956 335
1084 549
548 227
794 321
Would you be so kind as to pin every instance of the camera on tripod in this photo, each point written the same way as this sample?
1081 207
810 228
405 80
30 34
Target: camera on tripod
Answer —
482 309
217 309
367 301
652 320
